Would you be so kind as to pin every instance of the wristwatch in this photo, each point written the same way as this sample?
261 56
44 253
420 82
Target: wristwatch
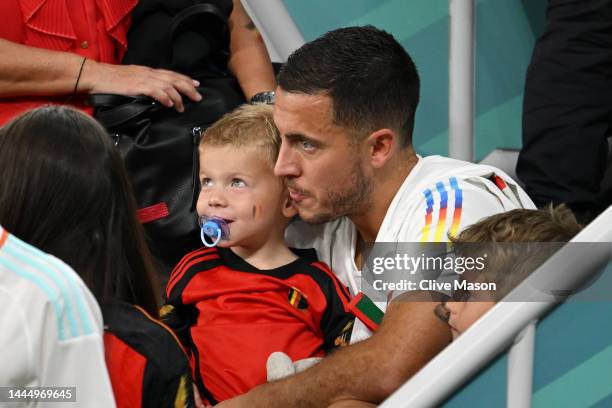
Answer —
263 97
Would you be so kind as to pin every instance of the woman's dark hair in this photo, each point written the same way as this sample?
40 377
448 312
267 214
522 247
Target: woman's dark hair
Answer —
65 190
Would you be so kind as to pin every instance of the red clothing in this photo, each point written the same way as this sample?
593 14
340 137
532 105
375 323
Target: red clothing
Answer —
232 316
146 364
95 29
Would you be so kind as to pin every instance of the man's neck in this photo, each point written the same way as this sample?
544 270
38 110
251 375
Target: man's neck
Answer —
386 185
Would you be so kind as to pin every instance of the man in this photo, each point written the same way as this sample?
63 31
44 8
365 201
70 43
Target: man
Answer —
345 108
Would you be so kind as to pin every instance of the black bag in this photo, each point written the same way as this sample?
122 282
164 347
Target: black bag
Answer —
187 36
158 144
160 150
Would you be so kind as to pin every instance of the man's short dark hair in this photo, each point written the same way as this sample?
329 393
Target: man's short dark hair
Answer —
370 78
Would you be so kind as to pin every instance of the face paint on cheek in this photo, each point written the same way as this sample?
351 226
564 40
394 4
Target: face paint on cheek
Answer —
256 211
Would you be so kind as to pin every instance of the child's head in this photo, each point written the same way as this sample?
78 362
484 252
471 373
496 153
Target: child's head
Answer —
506 265
237 156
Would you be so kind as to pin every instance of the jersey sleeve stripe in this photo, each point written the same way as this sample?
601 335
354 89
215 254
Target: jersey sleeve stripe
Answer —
501 184
179 267
428 215
82 309
63 278
458 206
441 227
52 296
179 274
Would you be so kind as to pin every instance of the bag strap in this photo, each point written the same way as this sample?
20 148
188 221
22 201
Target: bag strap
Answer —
115 110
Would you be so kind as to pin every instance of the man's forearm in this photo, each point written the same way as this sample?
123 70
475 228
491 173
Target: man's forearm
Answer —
35 71
408 338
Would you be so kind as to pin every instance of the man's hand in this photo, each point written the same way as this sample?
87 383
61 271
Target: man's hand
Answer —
159 84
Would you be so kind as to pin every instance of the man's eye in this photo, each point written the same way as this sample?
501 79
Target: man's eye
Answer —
206 182
306 145
238 183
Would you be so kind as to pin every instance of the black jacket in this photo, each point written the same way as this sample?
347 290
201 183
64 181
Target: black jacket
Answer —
188 36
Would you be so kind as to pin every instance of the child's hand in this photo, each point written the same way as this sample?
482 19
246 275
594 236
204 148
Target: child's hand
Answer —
279 365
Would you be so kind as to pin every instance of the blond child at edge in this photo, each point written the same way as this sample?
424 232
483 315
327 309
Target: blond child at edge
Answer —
506 265
234 304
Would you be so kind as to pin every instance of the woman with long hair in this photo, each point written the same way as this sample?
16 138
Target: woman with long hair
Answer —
65 190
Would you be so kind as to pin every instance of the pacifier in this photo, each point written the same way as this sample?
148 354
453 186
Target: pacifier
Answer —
213 228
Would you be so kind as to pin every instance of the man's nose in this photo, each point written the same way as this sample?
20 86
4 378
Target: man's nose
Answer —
286 165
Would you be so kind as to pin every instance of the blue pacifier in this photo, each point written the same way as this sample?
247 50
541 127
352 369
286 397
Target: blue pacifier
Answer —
215 229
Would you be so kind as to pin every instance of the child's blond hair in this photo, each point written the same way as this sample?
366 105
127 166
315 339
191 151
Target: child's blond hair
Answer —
508 265
246 126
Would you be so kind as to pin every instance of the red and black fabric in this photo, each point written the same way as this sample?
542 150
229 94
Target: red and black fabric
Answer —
231 316
147 365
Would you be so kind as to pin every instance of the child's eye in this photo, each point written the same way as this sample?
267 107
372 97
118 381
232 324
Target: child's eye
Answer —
206 182
236 182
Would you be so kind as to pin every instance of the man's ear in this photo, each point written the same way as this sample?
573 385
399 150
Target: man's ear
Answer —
382 145
289 210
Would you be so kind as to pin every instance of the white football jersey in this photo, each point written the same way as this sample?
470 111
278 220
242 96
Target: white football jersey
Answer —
440 196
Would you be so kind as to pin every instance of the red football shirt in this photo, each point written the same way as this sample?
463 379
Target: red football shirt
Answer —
231 316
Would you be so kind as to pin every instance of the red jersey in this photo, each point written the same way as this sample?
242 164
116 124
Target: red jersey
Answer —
146 364
231 316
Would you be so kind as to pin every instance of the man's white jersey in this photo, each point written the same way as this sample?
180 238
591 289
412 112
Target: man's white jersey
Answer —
440 197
